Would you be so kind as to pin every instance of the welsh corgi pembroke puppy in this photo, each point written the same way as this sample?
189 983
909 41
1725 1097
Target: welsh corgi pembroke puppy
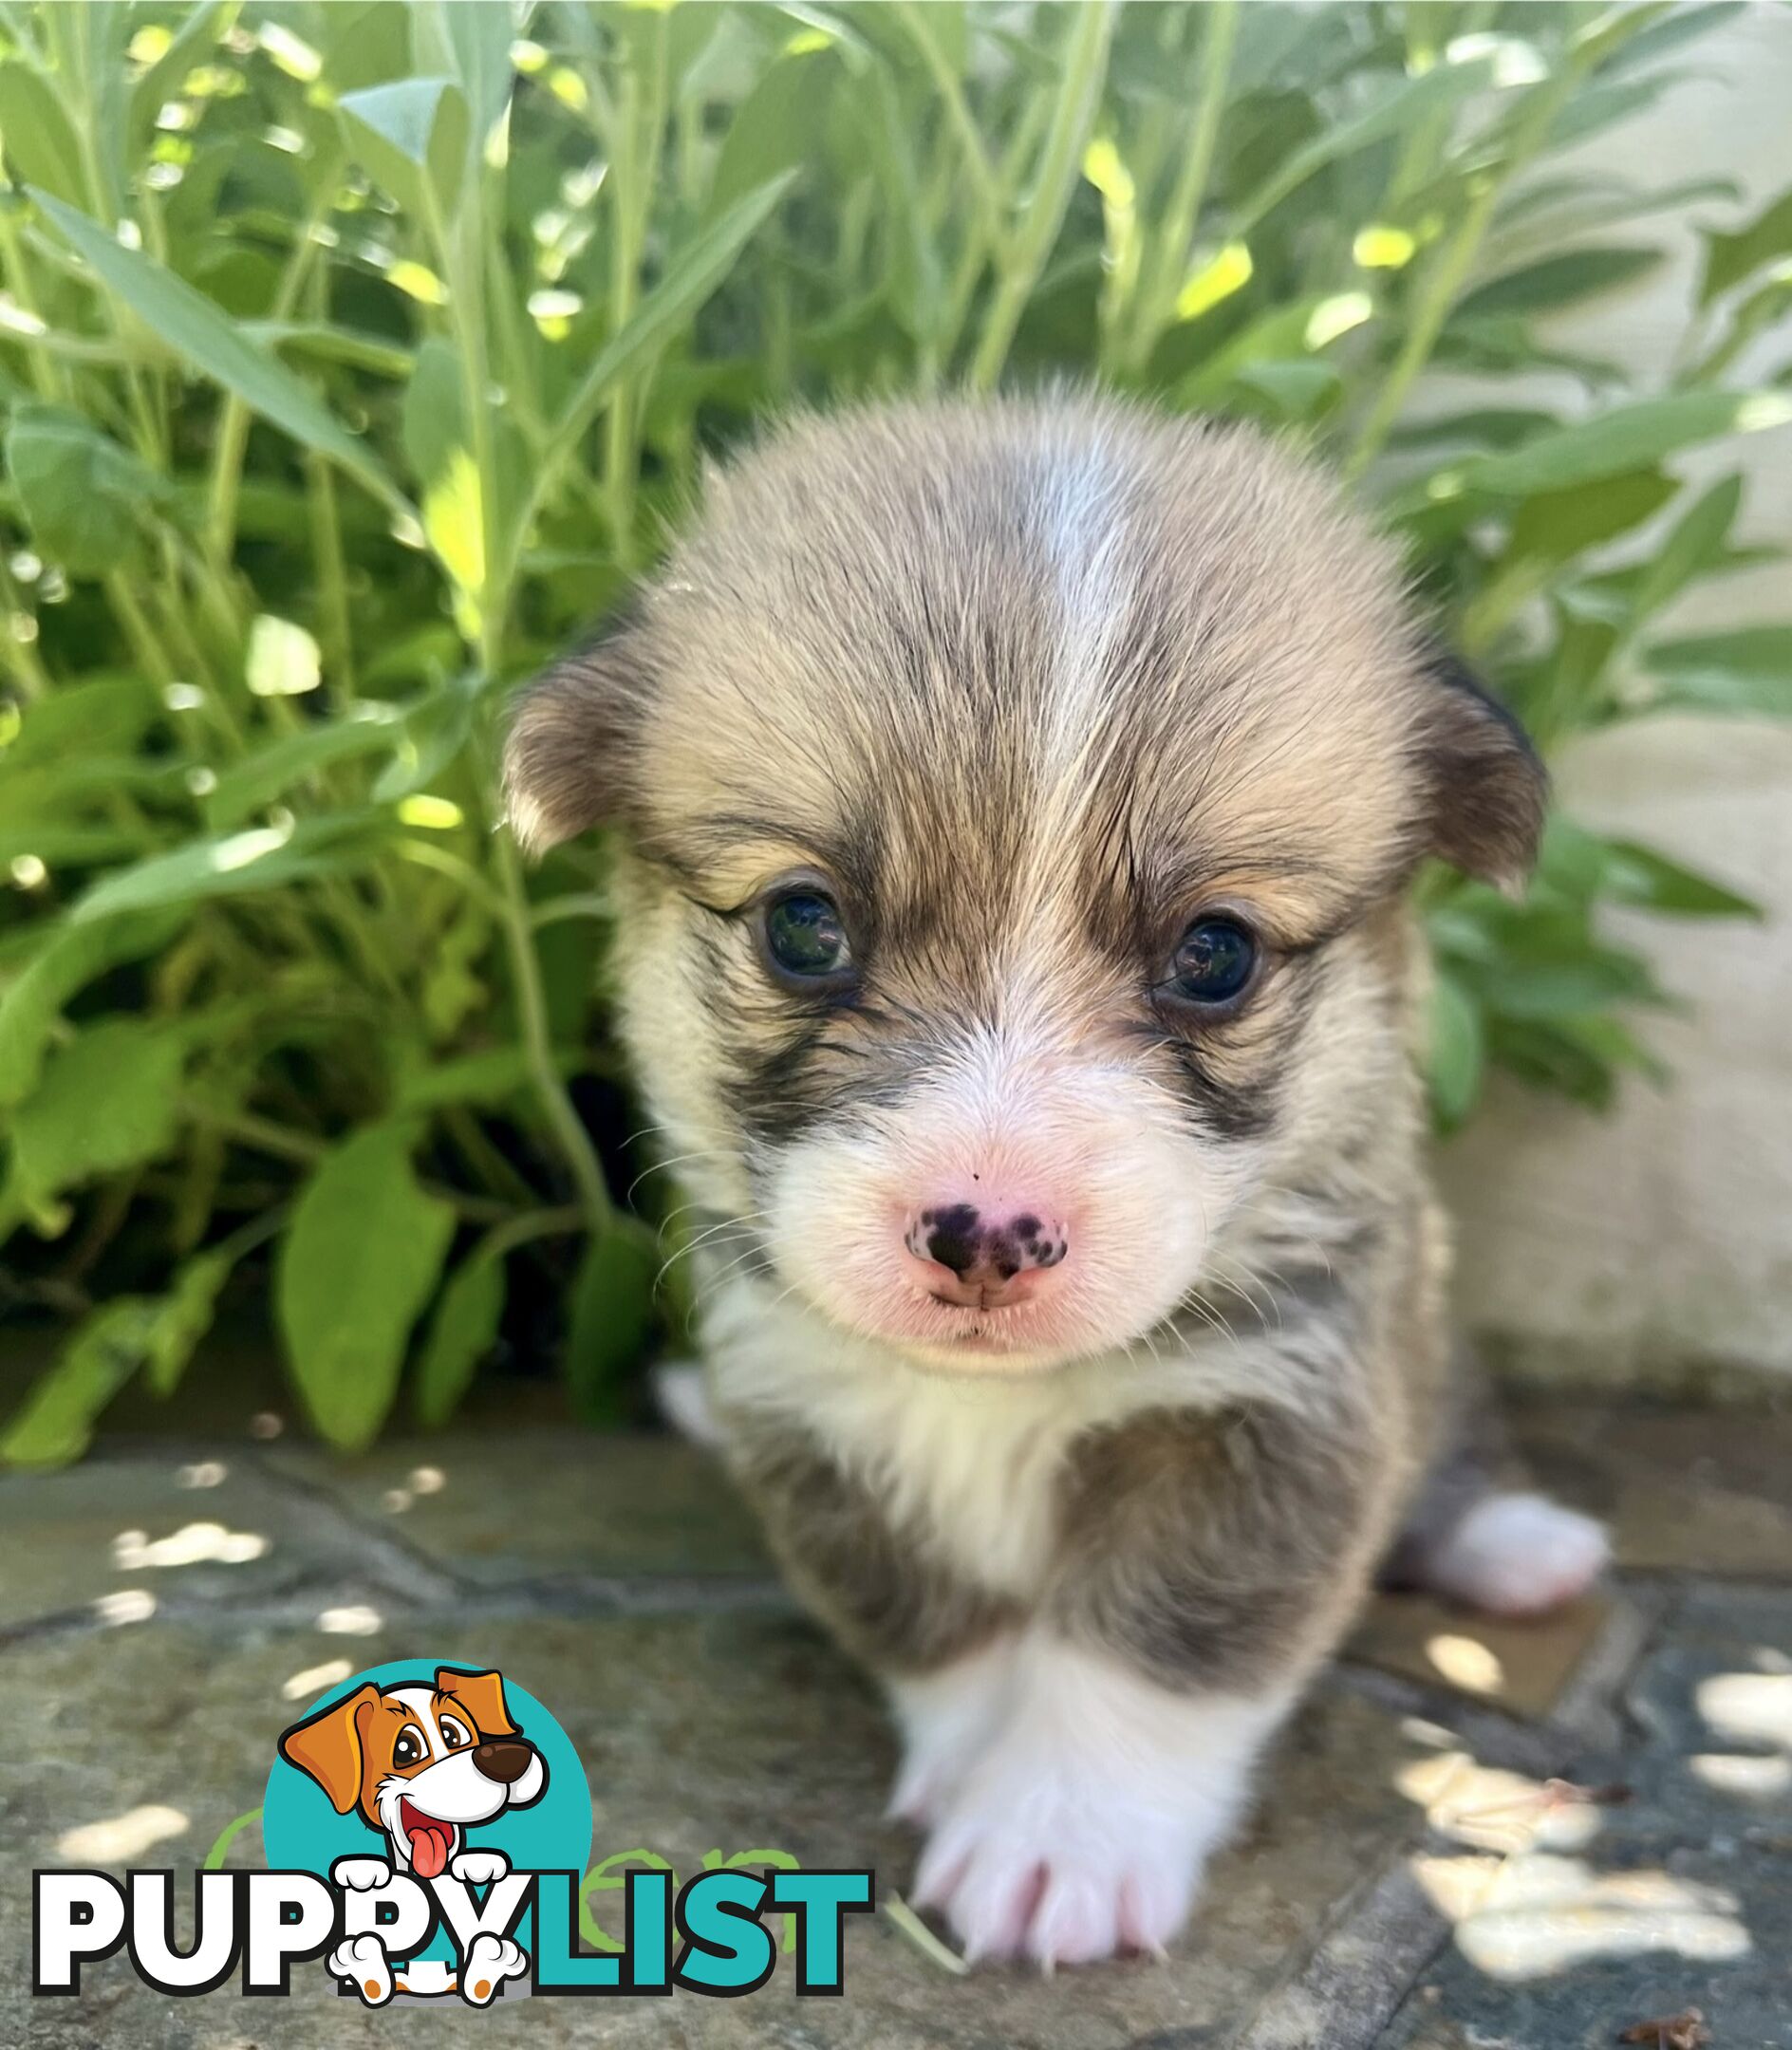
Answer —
1014 805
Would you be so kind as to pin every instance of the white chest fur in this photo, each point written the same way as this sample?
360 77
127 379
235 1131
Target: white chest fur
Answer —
971 1461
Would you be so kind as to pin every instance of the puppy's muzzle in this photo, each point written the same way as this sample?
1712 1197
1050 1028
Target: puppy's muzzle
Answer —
503 1759
982 1258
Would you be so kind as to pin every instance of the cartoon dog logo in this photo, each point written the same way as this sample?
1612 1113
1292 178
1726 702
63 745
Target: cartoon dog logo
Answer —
422 1765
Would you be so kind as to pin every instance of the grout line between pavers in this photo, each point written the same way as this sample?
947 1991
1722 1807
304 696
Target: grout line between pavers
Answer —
1357 1978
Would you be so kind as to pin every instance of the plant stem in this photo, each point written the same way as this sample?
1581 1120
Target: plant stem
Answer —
1023 258
575 1141
1446 275
1170 250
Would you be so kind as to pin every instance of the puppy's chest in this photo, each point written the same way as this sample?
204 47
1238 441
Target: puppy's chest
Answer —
974 1471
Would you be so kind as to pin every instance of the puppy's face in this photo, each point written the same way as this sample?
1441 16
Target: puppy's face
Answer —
1017 802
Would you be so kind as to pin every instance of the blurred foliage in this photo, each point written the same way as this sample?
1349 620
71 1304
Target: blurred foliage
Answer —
354 356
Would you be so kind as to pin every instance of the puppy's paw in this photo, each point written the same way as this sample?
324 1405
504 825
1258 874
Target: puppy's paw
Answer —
362 1962
1050 1875
490 1961
1517 1555
361 1874
479 1868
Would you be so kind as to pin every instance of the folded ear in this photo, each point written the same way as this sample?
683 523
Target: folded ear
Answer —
1487 789
566 757
482 1694
327 1746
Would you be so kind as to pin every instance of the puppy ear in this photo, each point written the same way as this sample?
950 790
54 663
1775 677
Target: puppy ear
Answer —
567 763
482 1694
327 1746
1487 789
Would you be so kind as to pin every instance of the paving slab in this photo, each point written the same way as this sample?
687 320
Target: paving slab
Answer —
700 1733
1422 1874
1683 1490
136 1529
525 1505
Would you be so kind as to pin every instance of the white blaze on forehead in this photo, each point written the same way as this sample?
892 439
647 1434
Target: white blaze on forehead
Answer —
1084 535
420 1701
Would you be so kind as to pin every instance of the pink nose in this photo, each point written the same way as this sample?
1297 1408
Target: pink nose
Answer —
983 1258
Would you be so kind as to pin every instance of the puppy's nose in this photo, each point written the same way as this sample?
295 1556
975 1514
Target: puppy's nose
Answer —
503 1759
990 1252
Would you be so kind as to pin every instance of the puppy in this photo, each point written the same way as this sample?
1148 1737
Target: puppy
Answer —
422 1765
1015 804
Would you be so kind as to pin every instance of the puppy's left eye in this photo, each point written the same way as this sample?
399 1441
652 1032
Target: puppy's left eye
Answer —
1213 962
453 1735
806 936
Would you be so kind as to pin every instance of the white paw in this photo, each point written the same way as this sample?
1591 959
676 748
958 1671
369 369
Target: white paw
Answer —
1062 1873
363 1961
479 1868
1517 1555
679 1389
362 1874
490 1961
1081 1823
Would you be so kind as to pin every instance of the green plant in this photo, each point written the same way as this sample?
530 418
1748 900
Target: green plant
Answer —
355 356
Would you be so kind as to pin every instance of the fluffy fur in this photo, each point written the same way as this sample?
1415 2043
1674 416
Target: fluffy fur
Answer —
1025 690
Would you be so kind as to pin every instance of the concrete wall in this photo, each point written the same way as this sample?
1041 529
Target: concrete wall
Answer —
1656 1246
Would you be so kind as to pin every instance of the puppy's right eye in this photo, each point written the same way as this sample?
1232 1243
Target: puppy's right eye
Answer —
408 1749
806 939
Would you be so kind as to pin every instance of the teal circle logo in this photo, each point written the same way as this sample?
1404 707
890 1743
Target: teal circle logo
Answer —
425 1767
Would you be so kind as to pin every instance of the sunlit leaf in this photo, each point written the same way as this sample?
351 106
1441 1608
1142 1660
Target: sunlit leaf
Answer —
192 324
356 1266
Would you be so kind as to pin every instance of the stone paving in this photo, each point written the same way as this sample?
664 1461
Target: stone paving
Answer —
1425 1871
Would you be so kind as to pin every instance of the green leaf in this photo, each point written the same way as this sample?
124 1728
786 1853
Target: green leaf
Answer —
97 713
774 127
41 147
433 425
358 1263
229 864
207 338
184 1319
488 1078
469 38
1626 437
257 780
1731 258
108 1100
1694 544
412 139
1553 282
611 1316
1640 875
691 276
69 956
1458 1051
1747 670
1554 525
85 496
1394 110
56 1423
462 1332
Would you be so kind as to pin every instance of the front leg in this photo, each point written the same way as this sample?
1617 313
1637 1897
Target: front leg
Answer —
1206 1565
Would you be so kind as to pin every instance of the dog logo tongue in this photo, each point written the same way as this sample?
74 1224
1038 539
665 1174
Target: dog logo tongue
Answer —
431 1842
